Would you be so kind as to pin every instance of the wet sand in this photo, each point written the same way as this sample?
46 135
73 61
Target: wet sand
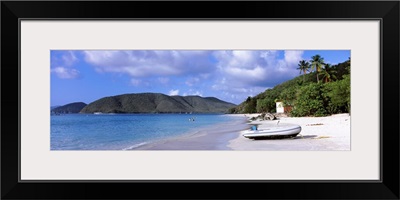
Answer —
209 138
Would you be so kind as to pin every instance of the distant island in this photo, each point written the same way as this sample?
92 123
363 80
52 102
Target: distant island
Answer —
157 103
68 108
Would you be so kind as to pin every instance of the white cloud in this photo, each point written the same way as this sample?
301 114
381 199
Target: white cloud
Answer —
149 63
257 68
192 92
293 57
65 73
234 74
69 58
288 66
235 59
248 73
173 92
63 66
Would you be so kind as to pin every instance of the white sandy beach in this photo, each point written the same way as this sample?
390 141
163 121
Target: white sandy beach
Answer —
318 134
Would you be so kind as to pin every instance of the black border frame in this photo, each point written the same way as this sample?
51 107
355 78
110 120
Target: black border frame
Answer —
386 11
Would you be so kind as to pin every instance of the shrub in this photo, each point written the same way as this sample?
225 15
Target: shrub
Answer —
310 101
250 106
339 94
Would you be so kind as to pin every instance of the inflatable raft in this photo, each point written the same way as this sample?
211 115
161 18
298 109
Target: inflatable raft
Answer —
278 131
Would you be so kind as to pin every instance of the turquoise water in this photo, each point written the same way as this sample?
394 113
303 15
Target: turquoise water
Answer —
123 131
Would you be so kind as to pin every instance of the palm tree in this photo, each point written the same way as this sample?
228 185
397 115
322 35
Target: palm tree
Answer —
303 67
328 73
316 63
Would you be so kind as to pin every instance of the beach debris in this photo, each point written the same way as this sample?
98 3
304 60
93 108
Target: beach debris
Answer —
253 118
264 116
317 124
269 116
280 115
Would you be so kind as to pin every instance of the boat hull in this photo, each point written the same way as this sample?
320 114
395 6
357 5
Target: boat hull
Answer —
273 132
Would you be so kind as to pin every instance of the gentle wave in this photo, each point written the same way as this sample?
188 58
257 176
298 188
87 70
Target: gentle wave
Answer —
134 146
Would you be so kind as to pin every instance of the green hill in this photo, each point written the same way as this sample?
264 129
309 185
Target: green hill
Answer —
69 108
157 103
304 96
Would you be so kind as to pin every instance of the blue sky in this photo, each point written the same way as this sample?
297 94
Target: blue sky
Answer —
85 76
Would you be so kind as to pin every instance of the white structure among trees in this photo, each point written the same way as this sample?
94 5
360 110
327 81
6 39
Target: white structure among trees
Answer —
279 107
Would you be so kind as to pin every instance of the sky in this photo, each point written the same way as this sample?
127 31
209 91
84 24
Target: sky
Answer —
231 75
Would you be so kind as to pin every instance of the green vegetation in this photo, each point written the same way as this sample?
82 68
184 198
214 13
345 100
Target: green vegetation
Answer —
310 101
338 94
306 95
157 103
69 108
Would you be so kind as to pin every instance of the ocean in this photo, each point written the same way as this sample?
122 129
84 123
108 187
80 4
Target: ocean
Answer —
125 131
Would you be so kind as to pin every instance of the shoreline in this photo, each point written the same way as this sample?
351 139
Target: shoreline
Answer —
214 137
329 133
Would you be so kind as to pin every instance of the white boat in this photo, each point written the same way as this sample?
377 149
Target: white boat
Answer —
97 113
277 131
